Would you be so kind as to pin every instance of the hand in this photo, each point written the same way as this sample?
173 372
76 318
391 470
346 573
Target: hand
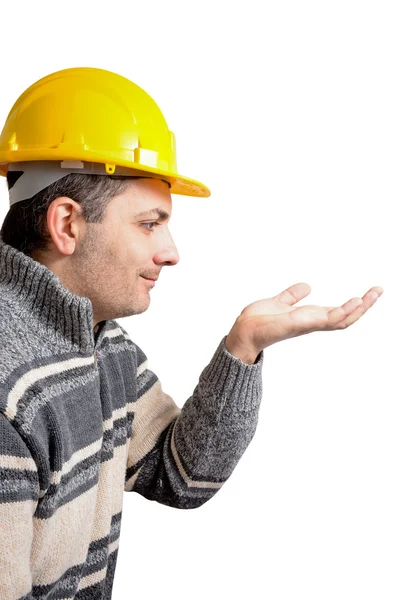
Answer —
272 320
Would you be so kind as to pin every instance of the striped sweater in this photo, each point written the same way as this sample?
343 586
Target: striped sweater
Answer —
83 419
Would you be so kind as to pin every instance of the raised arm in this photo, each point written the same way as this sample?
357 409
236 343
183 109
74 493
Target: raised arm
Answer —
182 457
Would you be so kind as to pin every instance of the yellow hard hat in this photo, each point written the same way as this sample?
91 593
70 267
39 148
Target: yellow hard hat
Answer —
94 116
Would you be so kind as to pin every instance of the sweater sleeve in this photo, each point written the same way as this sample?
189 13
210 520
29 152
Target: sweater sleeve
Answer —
19 495
182 457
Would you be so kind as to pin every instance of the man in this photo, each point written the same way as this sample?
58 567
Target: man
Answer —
82 417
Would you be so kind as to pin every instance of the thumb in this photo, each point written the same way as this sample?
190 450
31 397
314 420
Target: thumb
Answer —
293 294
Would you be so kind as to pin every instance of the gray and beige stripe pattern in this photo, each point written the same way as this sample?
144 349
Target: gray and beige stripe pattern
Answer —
83 419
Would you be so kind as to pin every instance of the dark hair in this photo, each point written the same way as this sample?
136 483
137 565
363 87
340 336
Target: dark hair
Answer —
25 226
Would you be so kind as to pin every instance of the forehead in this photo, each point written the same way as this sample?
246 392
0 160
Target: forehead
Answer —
146 197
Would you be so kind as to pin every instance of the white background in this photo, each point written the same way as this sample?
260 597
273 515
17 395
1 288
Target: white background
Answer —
289 112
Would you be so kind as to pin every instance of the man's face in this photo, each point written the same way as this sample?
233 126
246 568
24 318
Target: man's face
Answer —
111 260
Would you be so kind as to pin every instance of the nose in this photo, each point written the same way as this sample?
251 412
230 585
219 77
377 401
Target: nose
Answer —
167 252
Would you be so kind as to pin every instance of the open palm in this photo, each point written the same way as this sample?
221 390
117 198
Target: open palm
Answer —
271 320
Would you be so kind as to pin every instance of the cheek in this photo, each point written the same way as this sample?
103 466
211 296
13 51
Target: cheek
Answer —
136 255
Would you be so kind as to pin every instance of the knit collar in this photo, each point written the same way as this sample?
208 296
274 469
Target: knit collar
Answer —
39 298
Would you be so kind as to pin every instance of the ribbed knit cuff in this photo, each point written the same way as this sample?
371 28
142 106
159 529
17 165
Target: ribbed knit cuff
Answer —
228 376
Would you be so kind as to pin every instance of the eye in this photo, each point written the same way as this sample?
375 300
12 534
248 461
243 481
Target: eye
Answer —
154 223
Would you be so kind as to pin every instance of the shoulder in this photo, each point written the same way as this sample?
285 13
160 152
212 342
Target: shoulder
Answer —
18 346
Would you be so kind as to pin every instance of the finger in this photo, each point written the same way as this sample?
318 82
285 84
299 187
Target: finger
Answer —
367 301
347 314
293 294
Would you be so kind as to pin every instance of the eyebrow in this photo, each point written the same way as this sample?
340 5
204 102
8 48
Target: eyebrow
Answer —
154 211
